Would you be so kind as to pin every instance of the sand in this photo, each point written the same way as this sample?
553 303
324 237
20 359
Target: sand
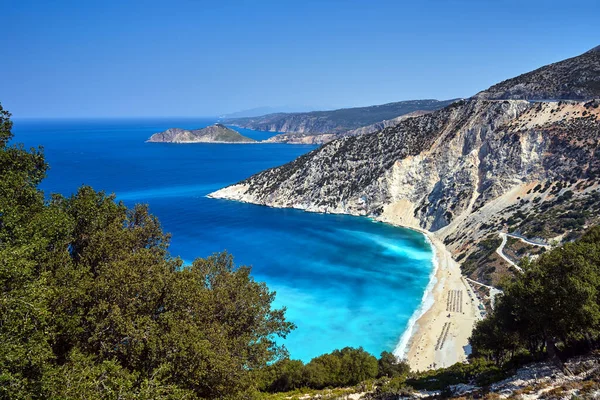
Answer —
434 343
440 337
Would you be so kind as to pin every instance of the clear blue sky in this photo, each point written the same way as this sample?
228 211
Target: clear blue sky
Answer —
82 58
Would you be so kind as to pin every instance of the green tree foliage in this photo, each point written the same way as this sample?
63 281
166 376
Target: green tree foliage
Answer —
93 306
340 368
555 300
24 314
391 366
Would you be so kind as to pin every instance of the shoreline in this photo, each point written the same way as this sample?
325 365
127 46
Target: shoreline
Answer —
427 301
440 335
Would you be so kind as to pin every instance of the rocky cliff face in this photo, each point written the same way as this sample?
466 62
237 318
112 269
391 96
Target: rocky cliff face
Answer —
211 134
431 162
467 171
454 171
576 78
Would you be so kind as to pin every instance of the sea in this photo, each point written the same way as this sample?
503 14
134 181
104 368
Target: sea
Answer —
345 281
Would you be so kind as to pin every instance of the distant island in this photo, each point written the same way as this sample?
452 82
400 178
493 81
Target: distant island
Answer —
216 133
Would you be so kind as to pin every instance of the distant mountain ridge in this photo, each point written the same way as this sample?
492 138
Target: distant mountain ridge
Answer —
217 133
576 78
259 111
334 121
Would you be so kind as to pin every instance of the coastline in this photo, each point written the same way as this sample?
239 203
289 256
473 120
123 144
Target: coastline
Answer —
440 335
427 301
436 335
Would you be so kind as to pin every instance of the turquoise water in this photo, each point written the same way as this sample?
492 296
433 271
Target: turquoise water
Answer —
346 281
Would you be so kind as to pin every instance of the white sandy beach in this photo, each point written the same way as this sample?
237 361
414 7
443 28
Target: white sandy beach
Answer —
440 336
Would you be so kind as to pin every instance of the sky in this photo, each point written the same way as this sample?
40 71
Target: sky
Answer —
137 58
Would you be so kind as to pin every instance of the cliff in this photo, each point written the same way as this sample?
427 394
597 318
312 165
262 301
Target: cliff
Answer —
364 174
211 134
462 172
322 138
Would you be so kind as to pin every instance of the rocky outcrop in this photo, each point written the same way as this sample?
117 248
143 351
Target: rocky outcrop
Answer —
335 121
212 134
576 78
539 380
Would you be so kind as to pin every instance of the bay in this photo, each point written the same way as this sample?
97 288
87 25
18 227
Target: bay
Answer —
346 281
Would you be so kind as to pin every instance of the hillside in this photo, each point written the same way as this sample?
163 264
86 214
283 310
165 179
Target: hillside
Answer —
464 172
576 78
335 121
211 134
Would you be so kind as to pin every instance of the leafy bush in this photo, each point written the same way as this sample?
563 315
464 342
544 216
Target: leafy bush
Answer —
478 371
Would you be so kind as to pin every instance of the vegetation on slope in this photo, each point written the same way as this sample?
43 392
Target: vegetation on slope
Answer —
552 308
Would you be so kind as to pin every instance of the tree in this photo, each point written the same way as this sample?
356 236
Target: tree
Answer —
283 376
391 366
491 339
344 367
556 299
24 350
92 305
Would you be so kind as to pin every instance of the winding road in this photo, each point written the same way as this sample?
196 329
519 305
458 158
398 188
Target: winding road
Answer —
499 251
505 236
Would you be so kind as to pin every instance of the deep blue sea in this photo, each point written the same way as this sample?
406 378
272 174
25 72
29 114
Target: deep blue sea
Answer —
346 281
